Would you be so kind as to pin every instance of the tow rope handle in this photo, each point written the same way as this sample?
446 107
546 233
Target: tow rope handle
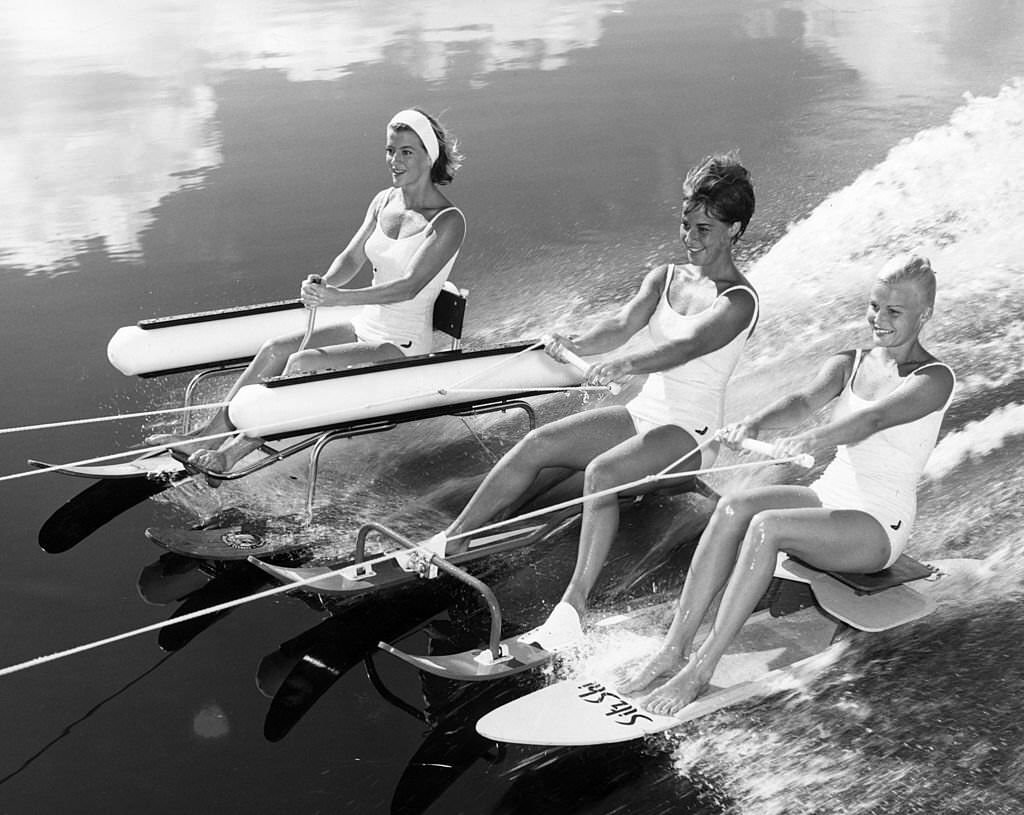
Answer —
582 365
311 318
805 460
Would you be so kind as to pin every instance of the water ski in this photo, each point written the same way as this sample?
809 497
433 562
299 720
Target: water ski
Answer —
157 466
769 653
511 656
386 570
236 542
588 711
477 664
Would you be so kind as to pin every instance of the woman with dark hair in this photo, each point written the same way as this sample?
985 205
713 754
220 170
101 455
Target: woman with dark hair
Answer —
889 403
695 318
411 235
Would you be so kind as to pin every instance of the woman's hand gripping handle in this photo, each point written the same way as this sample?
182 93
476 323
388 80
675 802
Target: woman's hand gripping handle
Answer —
579 363
311 317
764 448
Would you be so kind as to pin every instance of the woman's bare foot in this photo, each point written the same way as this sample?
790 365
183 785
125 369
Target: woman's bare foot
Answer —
215 461
675 694
209 462
224 458
666 660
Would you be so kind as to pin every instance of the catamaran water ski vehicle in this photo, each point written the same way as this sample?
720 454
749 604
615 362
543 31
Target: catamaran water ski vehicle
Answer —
501 657
309 412
411 562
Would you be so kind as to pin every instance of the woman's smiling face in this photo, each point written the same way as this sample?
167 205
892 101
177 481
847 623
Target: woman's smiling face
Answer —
406 157
896 312
705 237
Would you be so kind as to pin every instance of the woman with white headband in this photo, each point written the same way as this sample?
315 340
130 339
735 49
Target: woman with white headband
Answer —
411 236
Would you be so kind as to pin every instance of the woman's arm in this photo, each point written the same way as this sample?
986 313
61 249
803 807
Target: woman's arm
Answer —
800 405
615 330
442 242
795 407
712 329
923 393
351 259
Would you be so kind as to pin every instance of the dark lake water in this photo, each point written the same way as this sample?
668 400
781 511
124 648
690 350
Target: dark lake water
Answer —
160 158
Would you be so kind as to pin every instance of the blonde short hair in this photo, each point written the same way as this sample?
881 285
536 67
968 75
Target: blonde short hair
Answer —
912 268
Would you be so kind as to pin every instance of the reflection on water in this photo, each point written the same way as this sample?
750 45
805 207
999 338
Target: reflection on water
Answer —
211 722
871 38
107 113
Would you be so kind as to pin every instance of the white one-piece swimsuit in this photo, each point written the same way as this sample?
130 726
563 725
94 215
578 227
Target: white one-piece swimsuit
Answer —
691 395
878 475
409 323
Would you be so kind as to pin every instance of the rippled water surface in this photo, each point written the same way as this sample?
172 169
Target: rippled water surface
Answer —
160 158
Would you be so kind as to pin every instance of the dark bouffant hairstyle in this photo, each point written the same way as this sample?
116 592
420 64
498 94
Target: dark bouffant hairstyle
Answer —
449 159
721 185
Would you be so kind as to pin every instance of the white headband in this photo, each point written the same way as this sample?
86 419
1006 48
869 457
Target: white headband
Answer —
421 126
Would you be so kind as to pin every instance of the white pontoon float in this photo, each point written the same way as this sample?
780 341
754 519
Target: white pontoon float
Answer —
325 407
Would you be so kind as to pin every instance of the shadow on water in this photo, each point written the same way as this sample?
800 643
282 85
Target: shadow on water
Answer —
198 586
92 508
305 667
452 746
606 779
171 577
442 616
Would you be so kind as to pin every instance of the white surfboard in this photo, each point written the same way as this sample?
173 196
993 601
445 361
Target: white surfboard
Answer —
768 654
586 711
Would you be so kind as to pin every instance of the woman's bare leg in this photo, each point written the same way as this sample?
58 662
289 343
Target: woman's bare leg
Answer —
634 458
338 357
224 458
572 442
712 564
270 361
846 540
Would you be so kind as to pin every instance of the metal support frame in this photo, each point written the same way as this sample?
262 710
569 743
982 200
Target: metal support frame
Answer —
448 316
190 389
319 440
481 588
320 443
390 696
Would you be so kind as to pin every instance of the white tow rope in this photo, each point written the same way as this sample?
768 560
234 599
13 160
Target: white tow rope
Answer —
662 475
113 418
311 419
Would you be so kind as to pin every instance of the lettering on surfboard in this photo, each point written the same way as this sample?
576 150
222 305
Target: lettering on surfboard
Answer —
621 710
